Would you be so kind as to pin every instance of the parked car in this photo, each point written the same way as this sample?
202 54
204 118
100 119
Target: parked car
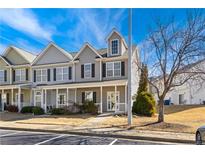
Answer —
200 135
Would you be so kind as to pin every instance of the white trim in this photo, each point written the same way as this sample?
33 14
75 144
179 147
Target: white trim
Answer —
54 65
5 60
82 49
113 69
68 55
39 95
101 100
118 47
90 70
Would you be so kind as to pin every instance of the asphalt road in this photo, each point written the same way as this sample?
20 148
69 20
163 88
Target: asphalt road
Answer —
11 137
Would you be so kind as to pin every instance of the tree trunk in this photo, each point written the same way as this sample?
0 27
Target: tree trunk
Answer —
161 111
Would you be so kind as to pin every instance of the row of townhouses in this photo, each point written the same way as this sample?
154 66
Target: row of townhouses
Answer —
57 78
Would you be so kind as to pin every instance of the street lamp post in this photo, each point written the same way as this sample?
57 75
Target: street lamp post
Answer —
129 110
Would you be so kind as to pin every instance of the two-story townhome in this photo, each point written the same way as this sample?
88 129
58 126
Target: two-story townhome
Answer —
15 77
60 78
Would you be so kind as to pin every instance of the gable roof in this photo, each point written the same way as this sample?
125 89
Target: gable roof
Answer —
115 31
68 55
83 47
29 57
5 60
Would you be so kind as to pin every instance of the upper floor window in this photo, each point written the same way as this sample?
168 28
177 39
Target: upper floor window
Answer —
113 69
115 47
1 75
87 70
20 74
41 75
61 73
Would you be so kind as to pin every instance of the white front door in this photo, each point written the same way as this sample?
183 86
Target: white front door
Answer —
111 105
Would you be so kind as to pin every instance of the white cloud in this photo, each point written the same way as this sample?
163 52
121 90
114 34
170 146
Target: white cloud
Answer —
2 48
94 25
24 20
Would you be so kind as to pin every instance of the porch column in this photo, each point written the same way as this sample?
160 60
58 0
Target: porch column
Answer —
2 101
31 96
126 98
115 98
12 96
101 101
34 97
76 95
45 106
67 96
42 97
19 98
56 98
100 70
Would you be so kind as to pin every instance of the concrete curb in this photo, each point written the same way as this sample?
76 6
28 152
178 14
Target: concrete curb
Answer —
159 139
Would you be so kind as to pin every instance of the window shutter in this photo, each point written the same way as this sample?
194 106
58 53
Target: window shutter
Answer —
122 68
93 70
5 75
83 97
48 75
54 74
26 74
14 75
94 97
82 71
70 73
104 69
34 76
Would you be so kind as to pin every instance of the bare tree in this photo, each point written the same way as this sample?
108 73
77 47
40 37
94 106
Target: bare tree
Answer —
171 50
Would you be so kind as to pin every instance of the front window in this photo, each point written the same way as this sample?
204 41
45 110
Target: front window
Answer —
20 74
41 75
61 73
115 47
61 99
113 69
87 70
1 75
88 95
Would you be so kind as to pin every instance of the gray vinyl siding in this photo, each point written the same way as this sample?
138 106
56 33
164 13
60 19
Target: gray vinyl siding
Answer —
15 59
87 56
52 56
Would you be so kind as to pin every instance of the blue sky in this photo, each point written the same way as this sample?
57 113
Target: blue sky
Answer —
33 29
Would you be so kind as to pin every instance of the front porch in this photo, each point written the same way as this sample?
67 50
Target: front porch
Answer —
18 95
108 96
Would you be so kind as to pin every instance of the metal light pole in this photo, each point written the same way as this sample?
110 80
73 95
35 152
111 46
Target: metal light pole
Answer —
129 109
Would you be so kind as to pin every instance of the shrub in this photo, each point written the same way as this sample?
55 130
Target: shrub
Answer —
37 110
144 104
12 108
89 107
58 111
27 109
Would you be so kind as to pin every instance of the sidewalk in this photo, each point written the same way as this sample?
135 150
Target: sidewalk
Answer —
92 130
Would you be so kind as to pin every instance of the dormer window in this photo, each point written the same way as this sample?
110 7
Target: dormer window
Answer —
115 47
